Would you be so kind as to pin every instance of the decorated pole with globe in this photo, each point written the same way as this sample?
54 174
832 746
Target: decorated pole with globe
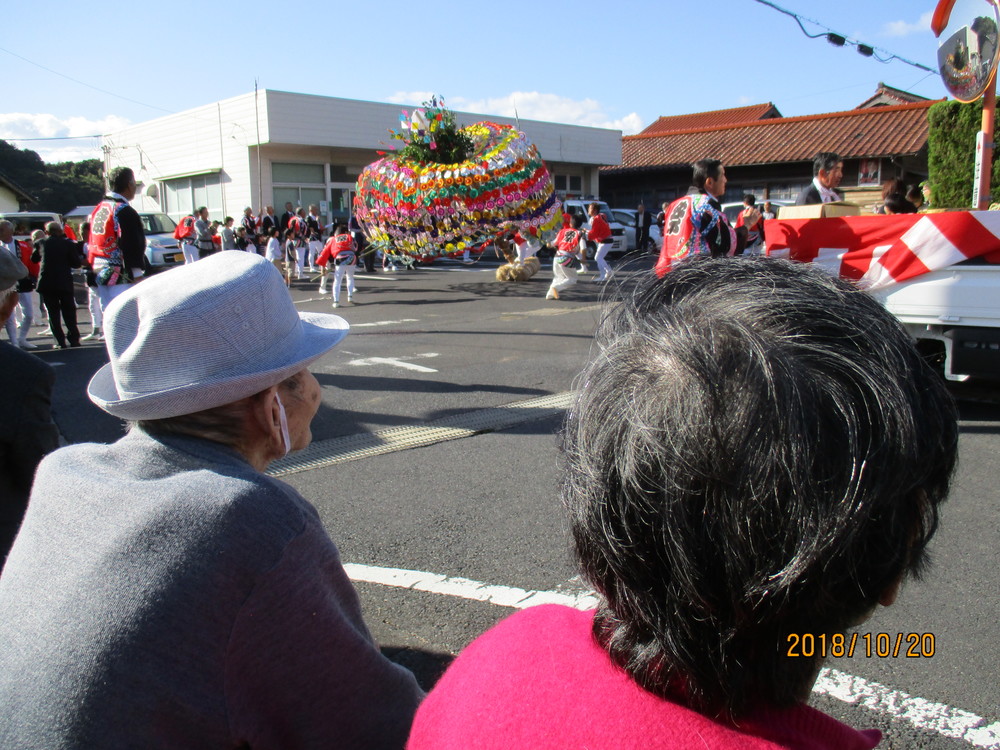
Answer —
449 188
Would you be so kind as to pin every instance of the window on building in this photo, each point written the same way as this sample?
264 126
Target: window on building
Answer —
181 197
298 174
568 183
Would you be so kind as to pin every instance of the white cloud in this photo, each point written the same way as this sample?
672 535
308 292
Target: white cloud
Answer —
534 105
17 125
904 28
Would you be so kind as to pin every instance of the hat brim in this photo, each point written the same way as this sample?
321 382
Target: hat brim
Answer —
321 333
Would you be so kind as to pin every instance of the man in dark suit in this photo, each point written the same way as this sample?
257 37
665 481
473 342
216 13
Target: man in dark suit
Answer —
58 256
643 221
26 431
268 223
287 216
828 171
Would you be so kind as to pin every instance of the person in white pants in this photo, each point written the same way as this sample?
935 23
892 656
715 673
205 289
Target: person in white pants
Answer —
571 247
342 251
314 229
600 232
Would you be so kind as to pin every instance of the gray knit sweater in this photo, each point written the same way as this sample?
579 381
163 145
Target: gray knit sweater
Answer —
164 594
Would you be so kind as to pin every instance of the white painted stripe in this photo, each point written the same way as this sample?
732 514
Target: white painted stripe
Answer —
918 712
505 596
395 362
384 323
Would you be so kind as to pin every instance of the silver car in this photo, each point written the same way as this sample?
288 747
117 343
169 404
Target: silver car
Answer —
162 250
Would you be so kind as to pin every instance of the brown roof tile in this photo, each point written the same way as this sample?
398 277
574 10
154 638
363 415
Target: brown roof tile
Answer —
888 95
712 119
857 133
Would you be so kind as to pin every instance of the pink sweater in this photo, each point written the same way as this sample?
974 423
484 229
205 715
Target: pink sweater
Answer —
538 680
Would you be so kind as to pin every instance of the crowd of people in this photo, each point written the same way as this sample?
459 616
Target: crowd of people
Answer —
164 591
298 243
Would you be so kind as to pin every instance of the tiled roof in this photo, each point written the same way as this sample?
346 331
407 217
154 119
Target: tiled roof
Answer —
857 133
712 119
888 95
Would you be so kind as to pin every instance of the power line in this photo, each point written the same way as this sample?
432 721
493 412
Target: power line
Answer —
840 40
82 83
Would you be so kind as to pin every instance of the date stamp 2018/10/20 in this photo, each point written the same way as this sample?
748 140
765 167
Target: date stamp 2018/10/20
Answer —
881 645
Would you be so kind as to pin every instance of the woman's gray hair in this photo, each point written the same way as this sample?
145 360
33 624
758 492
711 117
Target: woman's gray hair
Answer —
757 450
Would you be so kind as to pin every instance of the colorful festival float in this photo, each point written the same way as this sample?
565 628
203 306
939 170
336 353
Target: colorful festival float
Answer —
455 192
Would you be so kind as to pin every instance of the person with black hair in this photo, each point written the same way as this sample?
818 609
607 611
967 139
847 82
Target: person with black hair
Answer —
695 224
828 171
757 453
116 246
897 203
571 248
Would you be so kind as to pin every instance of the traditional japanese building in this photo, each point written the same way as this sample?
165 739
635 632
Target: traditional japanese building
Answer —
770 155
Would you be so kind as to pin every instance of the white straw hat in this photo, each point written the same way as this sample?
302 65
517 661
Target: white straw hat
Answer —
203 335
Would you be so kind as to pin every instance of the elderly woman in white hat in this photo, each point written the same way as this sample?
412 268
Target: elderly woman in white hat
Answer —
162 591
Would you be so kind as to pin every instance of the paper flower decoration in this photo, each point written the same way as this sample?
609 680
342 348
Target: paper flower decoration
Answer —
420 206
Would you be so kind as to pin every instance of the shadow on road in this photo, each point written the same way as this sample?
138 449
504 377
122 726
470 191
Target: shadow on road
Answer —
427 666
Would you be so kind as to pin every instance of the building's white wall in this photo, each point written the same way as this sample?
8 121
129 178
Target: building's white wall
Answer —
222 137
8 201
318 120
218 136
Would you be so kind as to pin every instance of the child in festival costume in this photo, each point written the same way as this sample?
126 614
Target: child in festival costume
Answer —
343 251
570 248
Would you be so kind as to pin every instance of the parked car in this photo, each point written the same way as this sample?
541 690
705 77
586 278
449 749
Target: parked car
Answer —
162 250
26 222
627 218
575 207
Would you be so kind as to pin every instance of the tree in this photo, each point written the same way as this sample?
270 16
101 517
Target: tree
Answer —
951 153
56 187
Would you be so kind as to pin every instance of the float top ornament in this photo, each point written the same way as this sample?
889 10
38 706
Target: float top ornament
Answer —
449 187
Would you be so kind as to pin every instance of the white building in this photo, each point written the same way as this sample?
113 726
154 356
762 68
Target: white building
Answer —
273 147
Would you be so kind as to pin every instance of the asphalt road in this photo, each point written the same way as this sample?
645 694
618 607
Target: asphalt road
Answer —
446 345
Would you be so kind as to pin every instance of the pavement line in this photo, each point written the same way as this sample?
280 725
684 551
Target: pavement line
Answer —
918 712
546 311
325 453
384 323
395 362
505 596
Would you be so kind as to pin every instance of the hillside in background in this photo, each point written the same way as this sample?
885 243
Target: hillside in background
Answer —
56 187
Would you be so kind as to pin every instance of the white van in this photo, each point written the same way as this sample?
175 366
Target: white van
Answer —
26 222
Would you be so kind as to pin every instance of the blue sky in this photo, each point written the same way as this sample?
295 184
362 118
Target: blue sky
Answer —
607 64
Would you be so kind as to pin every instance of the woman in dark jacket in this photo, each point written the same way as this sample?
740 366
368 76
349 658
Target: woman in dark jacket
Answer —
58 257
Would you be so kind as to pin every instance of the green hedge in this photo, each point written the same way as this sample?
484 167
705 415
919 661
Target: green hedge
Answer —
951 154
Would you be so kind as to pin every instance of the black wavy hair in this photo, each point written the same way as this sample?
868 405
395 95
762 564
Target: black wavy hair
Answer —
757 450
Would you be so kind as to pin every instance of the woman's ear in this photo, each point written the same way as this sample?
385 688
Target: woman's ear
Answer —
888 597
266 418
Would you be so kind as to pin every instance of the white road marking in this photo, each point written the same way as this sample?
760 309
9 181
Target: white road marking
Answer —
505 596
384 323
547 311
918 712
396 362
